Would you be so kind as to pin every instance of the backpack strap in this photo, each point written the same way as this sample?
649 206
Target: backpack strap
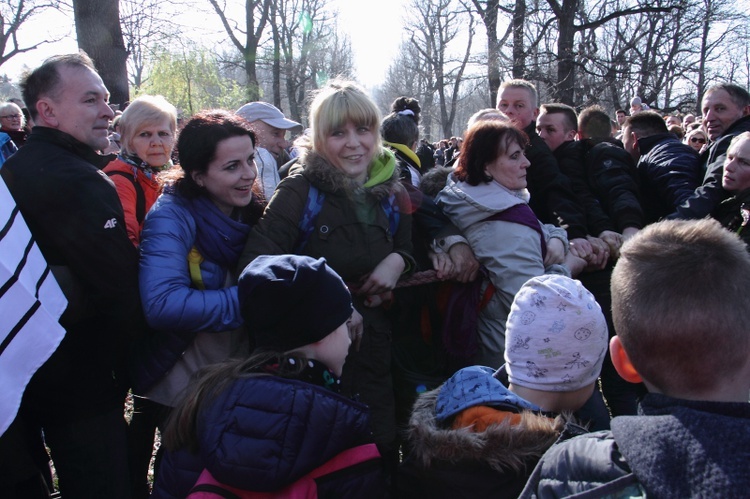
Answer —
313 205
392 211
140 196
522 214
195 259
211 490
207 486
345 459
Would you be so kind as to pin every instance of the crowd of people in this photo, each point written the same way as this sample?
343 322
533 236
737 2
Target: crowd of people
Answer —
550 304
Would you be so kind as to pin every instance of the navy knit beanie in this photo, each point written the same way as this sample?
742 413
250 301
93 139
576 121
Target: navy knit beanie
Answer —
289 301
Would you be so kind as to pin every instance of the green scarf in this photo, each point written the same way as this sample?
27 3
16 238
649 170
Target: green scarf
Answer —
382 168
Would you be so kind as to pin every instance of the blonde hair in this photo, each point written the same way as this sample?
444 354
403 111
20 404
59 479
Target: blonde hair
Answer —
524 84
338 103
143 111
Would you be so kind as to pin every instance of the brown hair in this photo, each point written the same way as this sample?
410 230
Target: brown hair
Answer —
211 381
484 143
679 305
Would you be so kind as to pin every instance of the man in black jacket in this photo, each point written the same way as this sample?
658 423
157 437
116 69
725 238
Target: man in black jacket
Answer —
726 114
668 170
600 170
73 212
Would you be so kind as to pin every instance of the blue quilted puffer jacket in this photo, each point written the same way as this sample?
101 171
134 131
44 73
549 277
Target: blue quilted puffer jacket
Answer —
173 307
265 432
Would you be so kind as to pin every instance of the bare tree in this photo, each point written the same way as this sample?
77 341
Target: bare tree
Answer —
15 14
434 25
304 26
145 26
100 35
410 76
246 37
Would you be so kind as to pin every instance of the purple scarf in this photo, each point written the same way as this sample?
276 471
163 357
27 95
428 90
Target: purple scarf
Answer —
218 238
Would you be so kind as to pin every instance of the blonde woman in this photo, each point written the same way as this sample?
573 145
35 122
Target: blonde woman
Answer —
148 127
347 188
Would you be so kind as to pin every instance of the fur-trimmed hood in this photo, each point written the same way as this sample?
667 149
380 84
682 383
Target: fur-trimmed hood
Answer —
328 178
502 447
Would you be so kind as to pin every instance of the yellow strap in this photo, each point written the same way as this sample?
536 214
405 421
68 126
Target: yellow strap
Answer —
194 263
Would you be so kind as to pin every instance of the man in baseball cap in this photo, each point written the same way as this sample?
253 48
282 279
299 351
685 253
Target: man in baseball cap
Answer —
270 126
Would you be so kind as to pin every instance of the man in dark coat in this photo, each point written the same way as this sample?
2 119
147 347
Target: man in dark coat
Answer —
726 114
668 170
75 215
734 212
602 174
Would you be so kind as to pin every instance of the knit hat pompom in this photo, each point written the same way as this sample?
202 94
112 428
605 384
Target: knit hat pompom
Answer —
556 335
289 301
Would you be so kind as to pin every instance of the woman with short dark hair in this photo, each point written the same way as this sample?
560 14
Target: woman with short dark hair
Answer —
486 198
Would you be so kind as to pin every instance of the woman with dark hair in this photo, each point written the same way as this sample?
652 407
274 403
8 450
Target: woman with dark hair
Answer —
401 134
486 198
190 244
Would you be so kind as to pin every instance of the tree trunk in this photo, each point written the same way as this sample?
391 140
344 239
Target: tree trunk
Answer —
488 13
100 36
519 51
565 53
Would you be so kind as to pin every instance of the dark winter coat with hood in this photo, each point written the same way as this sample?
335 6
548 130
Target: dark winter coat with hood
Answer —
352 231
454 463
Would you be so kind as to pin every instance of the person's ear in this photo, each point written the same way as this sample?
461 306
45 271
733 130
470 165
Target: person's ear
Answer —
571 135
197 178
46 113
621 361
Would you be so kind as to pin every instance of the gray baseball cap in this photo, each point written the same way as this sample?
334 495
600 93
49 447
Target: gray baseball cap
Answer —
269 114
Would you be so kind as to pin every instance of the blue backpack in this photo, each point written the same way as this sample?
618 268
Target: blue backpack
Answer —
314 203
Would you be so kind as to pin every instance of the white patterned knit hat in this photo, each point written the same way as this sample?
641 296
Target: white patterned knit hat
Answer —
556 336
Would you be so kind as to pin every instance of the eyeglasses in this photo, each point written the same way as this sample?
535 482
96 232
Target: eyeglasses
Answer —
696 140
11 117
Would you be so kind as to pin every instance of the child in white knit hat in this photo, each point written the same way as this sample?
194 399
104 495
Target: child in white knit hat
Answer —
482 432
555 343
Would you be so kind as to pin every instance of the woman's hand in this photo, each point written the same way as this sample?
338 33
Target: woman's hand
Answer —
555 252
443 265
384 277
